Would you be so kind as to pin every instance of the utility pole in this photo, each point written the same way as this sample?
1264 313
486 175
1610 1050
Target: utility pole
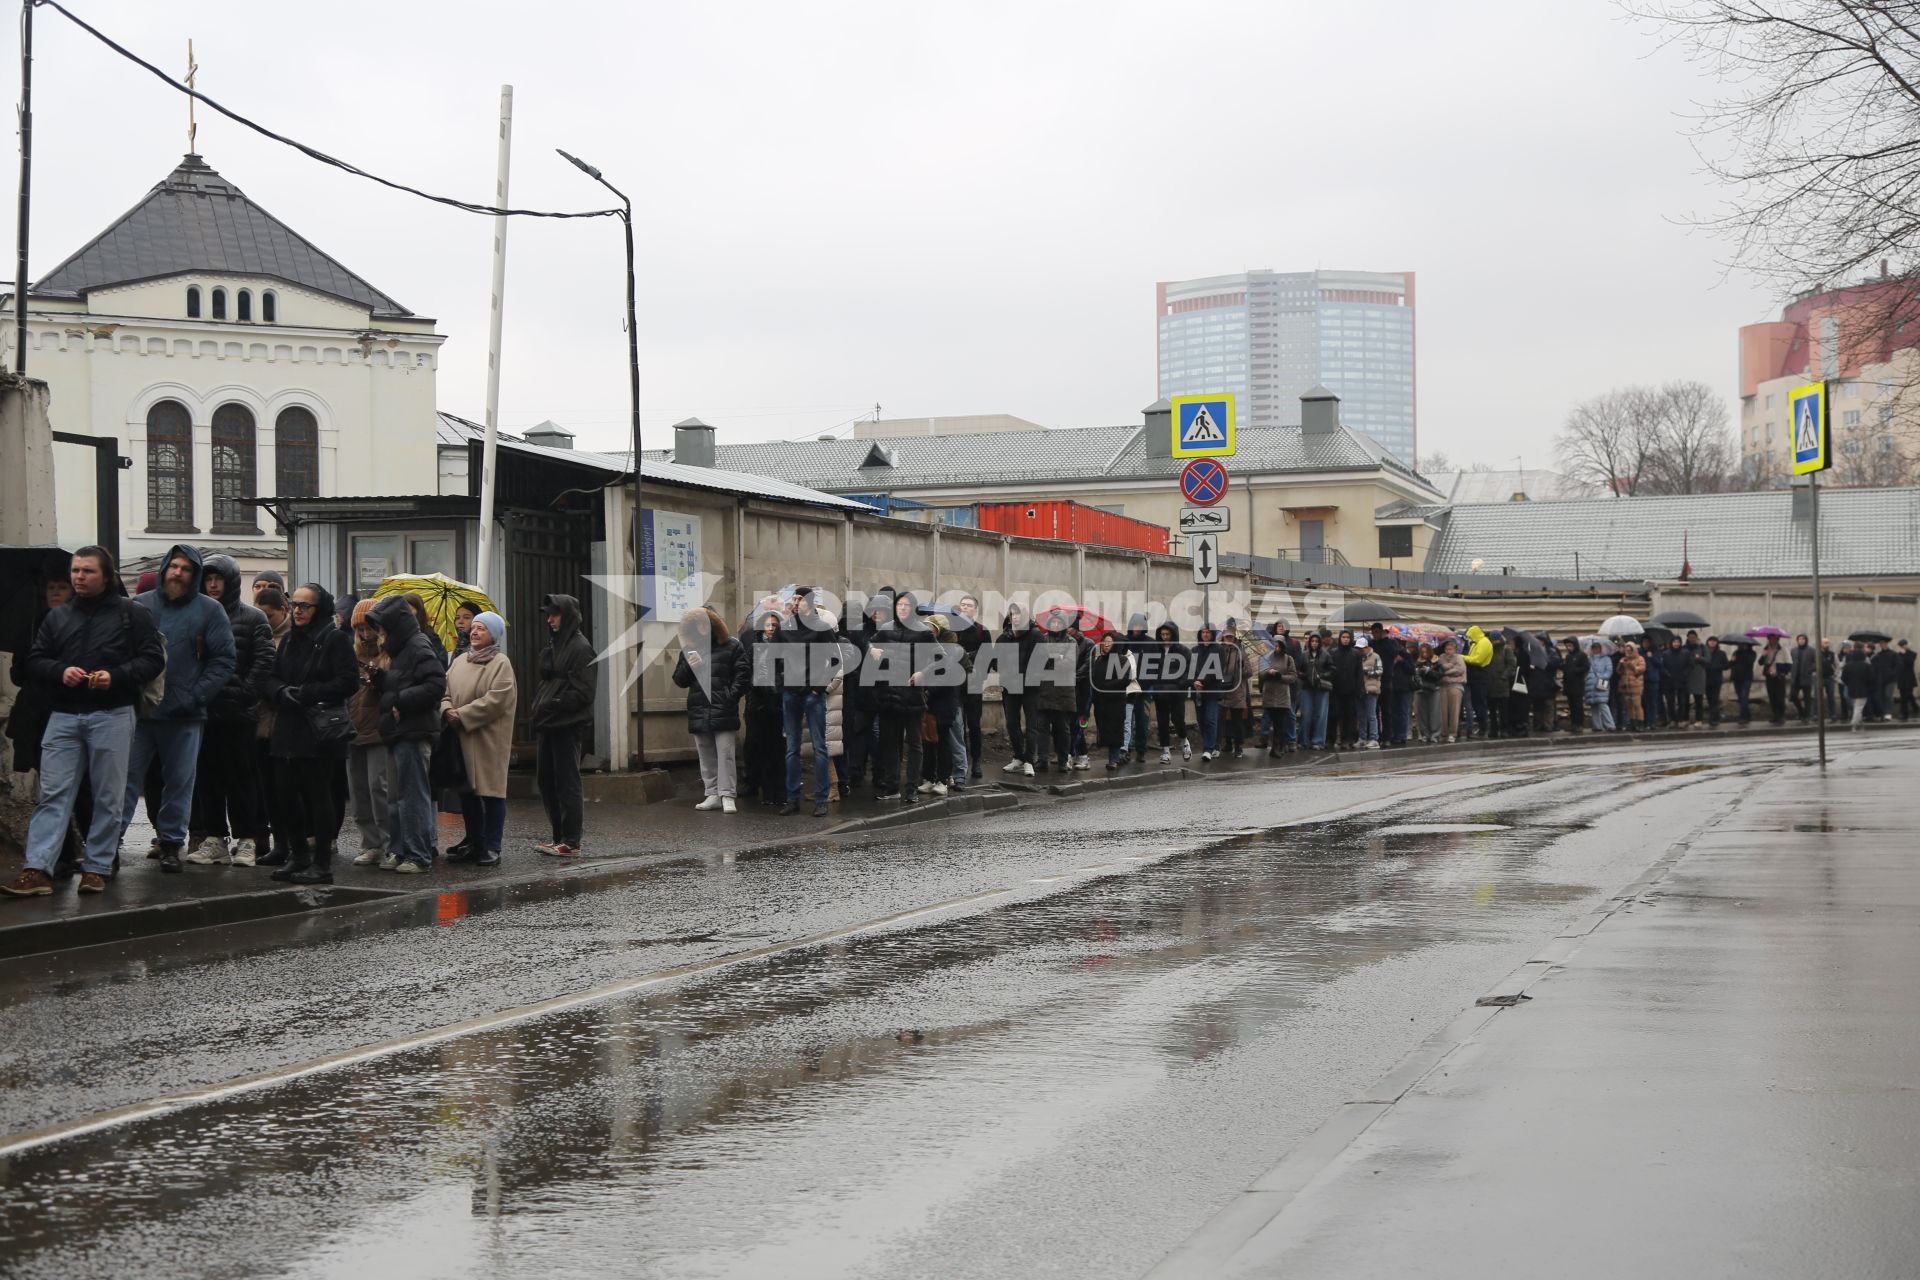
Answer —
1819 654
488 486
26 186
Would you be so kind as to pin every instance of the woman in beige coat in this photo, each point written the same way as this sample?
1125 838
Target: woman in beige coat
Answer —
481 701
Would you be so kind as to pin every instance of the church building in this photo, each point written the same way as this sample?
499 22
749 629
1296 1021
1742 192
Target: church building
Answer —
232 359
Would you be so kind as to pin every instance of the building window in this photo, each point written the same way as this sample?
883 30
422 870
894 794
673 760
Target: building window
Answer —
1849 391
233 469
244 306
1396 542
1886 414
193 302
269 307
219 304
1851 418
296 447
170 468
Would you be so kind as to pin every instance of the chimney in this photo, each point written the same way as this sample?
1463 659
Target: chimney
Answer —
693 443
1159 419
550 435
1319 412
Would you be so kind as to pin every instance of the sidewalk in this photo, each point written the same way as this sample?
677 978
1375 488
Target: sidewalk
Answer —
141 902
1716 1078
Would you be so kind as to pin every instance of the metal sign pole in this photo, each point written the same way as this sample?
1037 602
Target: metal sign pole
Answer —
1819 654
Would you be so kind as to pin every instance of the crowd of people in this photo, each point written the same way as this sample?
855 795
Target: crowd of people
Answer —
251 730
892 699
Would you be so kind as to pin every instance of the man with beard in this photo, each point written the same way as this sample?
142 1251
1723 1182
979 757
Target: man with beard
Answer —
200 661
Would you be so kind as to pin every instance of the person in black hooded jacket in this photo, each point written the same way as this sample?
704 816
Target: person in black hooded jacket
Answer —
314 668
562 710
1166 670
228 791
411 687
894 666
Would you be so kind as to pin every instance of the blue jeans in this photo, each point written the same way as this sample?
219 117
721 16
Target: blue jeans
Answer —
1207 709
956 735
798 705
1399 716
94 745
1313 717
410 820
1279 726
177 743
1367 712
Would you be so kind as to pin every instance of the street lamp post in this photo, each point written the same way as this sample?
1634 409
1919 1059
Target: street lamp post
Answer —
633 395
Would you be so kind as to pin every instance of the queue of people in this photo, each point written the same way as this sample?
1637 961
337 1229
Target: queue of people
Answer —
252 730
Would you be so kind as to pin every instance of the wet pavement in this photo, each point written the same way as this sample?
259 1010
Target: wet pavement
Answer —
1045 1042
1717 1081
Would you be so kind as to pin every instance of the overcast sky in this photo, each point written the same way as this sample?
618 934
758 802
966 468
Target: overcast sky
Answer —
945 209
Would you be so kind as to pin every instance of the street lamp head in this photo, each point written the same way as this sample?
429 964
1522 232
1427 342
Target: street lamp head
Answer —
580 164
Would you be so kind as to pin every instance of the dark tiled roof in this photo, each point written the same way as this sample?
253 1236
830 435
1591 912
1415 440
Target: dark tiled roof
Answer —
195 220
1082 453
1727 535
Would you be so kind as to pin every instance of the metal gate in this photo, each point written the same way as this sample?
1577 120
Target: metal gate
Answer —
547 554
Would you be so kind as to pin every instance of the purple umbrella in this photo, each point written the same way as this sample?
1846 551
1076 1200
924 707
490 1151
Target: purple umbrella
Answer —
1765 633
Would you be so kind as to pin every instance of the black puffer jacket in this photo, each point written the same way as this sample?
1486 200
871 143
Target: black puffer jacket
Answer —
713 703
107 632
564 697
314 667
414 681
895 654
239 700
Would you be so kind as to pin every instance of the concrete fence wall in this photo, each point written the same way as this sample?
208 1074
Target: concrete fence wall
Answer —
1792 611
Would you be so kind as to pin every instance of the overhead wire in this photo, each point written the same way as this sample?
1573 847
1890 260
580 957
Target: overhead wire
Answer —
311 152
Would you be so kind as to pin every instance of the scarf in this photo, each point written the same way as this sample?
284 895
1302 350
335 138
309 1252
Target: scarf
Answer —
482 656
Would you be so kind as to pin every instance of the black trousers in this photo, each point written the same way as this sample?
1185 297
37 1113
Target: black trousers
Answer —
557 771
1777 699
1013 708
1340 721
1170 707
228 799
1802 695
1712 699
974 705
1675 697
899 733
306 808
766 756
1044 727
1576 709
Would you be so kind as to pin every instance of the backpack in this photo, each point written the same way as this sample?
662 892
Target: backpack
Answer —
154 691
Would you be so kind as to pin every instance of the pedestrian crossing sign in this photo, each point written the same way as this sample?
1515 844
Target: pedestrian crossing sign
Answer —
1811 451
1203 426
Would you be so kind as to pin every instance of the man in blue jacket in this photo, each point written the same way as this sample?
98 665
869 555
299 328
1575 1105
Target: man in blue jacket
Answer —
200 660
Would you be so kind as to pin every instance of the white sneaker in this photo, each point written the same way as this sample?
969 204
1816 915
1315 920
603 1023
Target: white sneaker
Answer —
1083 764
1372 745
1026 769
1186 749
389 862
727 805
1014 766
369 858
925 789
938 788
211 852
708 805
243 853
1166 755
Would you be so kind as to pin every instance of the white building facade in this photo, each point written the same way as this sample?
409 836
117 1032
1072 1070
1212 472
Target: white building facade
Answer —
232 360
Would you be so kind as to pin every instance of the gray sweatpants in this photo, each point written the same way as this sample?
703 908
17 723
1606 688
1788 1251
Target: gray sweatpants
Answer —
717 771
367 783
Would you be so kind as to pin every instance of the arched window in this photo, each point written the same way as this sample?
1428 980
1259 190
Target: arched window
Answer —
193 302
219 304
269 307
233 469
245 301
170 468
296 448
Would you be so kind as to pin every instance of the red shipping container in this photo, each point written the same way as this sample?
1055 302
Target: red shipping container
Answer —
1067 521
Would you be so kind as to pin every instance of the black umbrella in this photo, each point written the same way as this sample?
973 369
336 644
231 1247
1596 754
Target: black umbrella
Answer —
23 575
1363 611
1536 652
1679 619
1734 637
1870 637
1658 636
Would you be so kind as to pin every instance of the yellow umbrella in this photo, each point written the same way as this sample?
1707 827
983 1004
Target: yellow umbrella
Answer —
441 594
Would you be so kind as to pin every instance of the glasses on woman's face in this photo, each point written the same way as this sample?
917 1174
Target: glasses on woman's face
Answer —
299 605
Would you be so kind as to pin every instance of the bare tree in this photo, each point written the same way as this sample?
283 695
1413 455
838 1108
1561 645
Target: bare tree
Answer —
1692 450
1434 463
1607 440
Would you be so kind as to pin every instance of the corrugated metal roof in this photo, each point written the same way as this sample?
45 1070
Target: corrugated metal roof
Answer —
195 220
1079 453
1726 535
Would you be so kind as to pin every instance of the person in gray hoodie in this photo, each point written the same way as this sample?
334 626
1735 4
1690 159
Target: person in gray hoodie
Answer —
200 661
228 791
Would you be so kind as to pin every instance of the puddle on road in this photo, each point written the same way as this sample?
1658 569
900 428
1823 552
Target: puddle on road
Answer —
614 1103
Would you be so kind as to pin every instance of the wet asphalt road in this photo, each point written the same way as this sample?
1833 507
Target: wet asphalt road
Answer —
1049 1042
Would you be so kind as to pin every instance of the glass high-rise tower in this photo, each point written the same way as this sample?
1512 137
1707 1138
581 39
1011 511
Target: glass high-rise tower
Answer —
1271 336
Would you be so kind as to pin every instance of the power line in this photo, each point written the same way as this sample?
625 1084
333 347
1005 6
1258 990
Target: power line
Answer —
313 153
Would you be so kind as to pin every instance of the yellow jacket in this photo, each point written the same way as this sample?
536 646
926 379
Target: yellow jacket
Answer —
1479 648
